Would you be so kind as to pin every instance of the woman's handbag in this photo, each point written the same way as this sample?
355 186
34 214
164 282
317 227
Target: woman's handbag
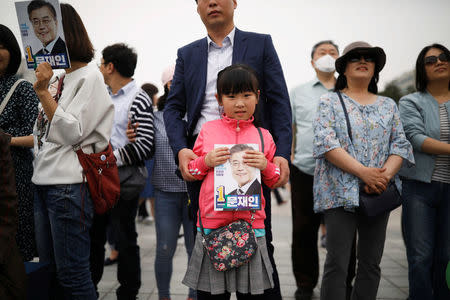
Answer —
233 245
102 176
373 205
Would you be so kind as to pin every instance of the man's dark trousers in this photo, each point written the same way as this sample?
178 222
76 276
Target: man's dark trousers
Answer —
123 217
305 226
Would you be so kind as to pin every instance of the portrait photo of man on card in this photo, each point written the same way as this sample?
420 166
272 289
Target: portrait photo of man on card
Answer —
42 34
243 174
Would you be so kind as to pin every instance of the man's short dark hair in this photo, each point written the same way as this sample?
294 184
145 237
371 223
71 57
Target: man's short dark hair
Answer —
122 57
239 148
150 89
330 42
36 4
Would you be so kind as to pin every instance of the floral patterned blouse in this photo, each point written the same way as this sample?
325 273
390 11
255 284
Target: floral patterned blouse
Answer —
377 133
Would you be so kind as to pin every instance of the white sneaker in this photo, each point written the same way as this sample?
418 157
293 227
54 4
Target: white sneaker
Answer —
149 220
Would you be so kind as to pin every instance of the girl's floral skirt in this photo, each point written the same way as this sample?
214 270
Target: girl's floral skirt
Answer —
251 278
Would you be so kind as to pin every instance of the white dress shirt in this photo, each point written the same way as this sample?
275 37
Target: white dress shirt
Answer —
218 59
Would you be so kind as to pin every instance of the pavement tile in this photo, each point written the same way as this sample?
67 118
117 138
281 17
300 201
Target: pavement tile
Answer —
394 272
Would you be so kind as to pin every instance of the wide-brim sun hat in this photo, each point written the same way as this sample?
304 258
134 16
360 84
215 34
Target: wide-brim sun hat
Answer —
363 48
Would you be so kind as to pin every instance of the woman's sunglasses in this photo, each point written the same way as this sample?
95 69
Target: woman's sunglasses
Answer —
431 60
357 58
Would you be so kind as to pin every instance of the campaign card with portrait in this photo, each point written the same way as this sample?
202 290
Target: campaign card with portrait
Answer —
42 33
237 186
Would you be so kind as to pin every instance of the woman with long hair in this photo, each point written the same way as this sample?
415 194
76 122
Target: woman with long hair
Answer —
426 187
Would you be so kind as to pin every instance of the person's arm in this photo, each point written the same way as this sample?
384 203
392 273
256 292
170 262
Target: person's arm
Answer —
90 109
374 178
8 199
175 109
142 148
203 162
414 126
176 127
270 172
433 146
280 109
327 145
44 73
22 141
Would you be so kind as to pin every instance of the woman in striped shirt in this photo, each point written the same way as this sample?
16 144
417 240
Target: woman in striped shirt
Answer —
426 187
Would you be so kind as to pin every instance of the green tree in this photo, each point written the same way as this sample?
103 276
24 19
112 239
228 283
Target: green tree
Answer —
392 91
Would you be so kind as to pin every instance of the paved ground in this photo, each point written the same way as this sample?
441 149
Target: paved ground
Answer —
393 284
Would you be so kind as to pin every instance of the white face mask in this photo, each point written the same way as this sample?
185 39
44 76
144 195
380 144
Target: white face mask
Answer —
325 63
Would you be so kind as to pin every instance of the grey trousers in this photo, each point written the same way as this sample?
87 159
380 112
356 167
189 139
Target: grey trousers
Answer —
341 228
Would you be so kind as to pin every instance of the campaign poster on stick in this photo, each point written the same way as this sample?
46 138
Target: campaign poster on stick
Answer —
237 186
42 34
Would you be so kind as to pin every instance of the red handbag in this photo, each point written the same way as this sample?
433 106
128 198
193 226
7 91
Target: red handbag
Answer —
102 176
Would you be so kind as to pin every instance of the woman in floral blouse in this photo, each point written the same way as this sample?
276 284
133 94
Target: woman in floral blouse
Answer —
369 160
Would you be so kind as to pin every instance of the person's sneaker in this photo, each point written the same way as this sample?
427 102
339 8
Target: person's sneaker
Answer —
149 220
303 294
323 241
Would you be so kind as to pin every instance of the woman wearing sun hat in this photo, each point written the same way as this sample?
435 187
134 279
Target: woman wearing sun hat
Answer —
426 188
368 159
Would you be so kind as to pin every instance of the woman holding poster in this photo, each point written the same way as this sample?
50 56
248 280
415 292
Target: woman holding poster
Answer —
80 114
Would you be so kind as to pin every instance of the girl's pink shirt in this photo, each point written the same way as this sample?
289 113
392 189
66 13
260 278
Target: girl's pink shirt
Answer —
230 131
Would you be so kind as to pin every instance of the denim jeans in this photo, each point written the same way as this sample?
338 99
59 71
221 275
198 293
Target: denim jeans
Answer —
63 216
426 221
171 211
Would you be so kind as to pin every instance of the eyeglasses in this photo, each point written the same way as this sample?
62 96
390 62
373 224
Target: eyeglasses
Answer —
37 22
431 60
358 57
101 63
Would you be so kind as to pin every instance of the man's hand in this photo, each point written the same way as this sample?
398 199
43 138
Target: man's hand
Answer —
185 155
131 131
217 157
283 164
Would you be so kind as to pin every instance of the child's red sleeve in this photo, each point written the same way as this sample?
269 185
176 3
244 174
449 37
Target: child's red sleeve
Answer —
271 173
198 167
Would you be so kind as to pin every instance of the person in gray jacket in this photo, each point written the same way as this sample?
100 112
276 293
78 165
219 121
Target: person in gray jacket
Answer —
426 187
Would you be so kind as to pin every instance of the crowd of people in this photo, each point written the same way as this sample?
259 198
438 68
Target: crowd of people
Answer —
227 88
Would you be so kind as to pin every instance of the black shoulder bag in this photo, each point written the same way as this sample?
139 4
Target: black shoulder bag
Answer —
373 205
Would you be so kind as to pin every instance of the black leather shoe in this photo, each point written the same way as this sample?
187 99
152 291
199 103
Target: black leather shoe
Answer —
303 294
110 261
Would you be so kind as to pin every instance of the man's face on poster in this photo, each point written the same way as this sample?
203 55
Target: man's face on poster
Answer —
44 24
241 172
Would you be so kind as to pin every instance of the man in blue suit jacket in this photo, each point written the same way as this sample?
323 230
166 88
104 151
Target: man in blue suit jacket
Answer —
191 100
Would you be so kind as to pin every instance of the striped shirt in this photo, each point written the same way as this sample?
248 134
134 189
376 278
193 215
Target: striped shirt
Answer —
441 171
140 110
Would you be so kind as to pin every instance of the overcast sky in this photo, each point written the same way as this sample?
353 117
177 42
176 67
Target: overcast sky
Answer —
157 28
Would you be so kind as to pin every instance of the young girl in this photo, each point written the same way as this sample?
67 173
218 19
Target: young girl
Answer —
237 94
